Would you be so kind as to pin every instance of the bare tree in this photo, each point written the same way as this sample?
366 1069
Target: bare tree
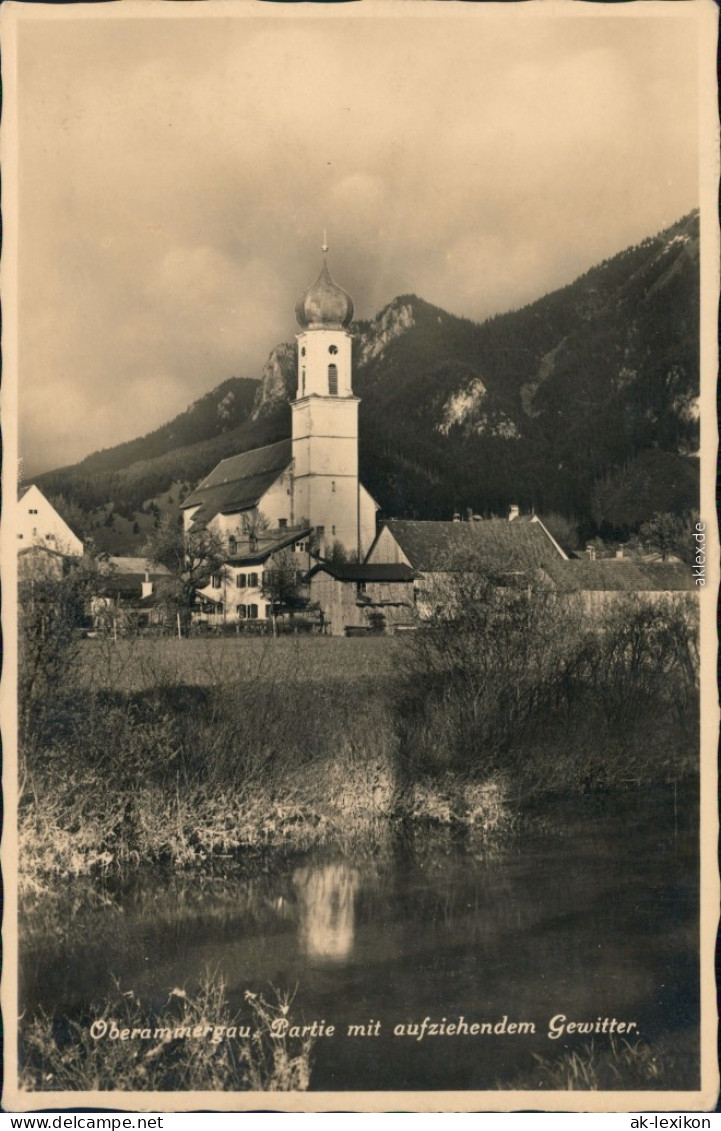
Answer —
190 557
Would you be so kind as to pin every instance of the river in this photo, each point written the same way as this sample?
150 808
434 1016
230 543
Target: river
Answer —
589 912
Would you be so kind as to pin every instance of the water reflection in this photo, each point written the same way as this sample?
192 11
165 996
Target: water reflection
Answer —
593 914
327 915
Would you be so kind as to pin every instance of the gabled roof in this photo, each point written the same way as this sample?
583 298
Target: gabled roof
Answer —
130 565
365 571
619 575
268 542
239 482
506 546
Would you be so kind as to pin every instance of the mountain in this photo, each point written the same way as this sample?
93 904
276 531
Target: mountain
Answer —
582 403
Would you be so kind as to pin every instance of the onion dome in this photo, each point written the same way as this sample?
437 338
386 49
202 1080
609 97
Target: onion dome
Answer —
325 303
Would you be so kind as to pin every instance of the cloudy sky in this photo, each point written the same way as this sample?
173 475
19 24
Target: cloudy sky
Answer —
176 175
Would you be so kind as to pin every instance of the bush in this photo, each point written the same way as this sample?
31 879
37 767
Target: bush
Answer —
505 677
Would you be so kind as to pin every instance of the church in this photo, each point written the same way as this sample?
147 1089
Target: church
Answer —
299 492
310 480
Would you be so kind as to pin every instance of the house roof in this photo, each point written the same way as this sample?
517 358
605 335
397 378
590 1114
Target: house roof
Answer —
268 542
365 571
124 564
447 546
126 575
239 482
619 575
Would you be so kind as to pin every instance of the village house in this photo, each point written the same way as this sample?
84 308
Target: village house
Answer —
126 596
310 480
361 598
599 582
45 542
508 551
262 577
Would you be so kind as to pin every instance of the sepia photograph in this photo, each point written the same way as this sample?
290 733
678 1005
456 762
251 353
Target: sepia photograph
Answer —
360 555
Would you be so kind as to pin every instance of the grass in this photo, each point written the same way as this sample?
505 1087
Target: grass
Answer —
193 1043
135 664
619 1065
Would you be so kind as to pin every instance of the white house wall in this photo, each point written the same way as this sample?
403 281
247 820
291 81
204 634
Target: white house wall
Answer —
39 524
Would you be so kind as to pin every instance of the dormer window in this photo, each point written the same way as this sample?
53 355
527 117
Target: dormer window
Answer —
333 380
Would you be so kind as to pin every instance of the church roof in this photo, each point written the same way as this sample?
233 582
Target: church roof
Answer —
325 303
619 575
506 546
239 482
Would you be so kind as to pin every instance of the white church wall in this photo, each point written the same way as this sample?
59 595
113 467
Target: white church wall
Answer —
313 364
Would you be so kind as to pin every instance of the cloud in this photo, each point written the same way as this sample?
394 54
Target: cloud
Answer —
176 176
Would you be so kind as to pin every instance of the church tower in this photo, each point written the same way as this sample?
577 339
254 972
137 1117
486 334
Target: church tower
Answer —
326 490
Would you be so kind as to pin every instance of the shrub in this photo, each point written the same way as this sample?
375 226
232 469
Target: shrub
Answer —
234 1052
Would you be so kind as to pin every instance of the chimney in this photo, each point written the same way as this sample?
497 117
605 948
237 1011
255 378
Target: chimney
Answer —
591 551
456 517
513 512
619 554
146 586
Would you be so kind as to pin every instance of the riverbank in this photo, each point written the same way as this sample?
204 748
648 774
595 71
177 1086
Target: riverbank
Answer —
181 753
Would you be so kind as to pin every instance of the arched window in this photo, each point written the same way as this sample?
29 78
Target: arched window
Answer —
333 380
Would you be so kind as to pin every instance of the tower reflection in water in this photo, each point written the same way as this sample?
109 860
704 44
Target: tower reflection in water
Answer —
327 901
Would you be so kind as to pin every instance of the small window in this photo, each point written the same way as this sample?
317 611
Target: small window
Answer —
332 486
252 580
282 523
333 350
302 381
302 351
241 612
215 581
333 380
20 535
332 529
252 611
32 510
241 581
360 586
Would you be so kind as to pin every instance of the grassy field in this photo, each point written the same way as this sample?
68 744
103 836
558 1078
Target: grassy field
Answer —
137 664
